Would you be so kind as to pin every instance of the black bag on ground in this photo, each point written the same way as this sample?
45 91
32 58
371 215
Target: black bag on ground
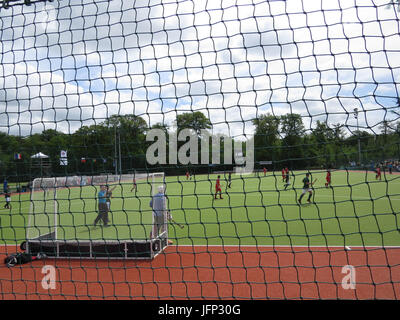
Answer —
21 258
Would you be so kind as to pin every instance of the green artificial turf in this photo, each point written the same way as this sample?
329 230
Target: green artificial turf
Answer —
358 210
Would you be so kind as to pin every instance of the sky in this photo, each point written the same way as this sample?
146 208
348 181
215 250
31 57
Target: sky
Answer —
65 64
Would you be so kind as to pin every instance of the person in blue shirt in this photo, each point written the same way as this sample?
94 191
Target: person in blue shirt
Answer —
5 185
390 167
102 206
372 166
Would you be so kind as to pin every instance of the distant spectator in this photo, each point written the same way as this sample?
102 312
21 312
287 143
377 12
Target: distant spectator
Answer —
390 167
5 185
8 200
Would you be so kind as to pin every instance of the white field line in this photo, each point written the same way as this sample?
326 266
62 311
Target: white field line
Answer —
358 198
264 246
284 193
362 198
286 246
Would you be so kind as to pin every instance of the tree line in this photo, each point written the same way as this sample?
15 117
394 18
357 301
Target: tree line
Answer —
118 145
284 139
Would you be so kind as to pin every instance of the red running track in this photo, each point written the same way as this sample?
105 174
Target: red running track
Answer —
214 272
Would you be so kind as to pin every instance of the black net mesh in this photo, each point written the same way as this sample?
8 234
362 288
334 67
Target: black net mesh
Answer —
271 127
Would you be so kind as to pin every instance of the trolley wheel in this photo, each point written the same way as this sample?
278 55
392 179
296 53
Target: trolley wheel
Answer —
23 245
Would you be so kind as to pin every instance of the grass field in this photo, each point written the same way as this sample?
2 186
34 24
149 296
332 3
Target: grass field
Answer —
357 211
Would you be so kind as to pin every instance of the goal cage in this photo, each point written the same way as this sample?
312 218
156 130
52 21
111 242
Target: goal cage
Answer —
59 226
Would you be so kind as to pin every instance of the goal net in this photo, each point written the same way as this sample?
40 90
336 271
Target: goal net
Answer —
64 210
43 215
102 102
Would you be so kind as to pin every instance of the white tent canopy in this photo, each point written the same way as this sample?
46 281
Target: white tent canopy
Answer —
39 156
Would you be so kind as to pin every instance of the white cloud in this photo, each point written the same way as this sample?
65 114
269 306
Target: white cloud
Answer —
230 59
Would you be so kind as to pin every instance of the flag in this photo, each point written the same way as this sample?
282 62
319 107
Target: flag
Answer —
17 156
63 158
83 160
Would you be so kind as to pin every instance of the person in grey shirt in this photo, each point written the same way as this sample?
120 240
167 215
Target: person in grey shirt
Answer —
160 213
159 206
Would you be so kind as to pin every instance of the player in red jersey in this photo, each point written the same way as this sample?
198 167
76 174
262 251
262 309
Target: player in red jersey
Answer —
265 171
378 173
218 188
187 175
134 186
328 179
283 175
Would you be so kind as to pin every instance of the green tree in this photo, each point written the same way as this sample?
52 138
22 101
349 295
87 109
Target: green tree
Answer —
322 144
338 137
266 137
293 132
161 126
128 133
195 121
394 4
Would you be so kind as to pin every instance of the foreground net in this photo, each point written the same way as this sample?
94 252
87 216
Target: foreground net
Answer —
200 150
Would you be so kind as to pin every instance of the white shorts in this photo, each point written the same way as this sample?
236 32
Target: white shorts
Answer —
306 190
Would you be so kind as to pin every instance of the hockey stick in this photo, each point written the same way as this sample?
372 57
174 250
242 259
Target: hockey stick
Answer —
178 224
173 221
